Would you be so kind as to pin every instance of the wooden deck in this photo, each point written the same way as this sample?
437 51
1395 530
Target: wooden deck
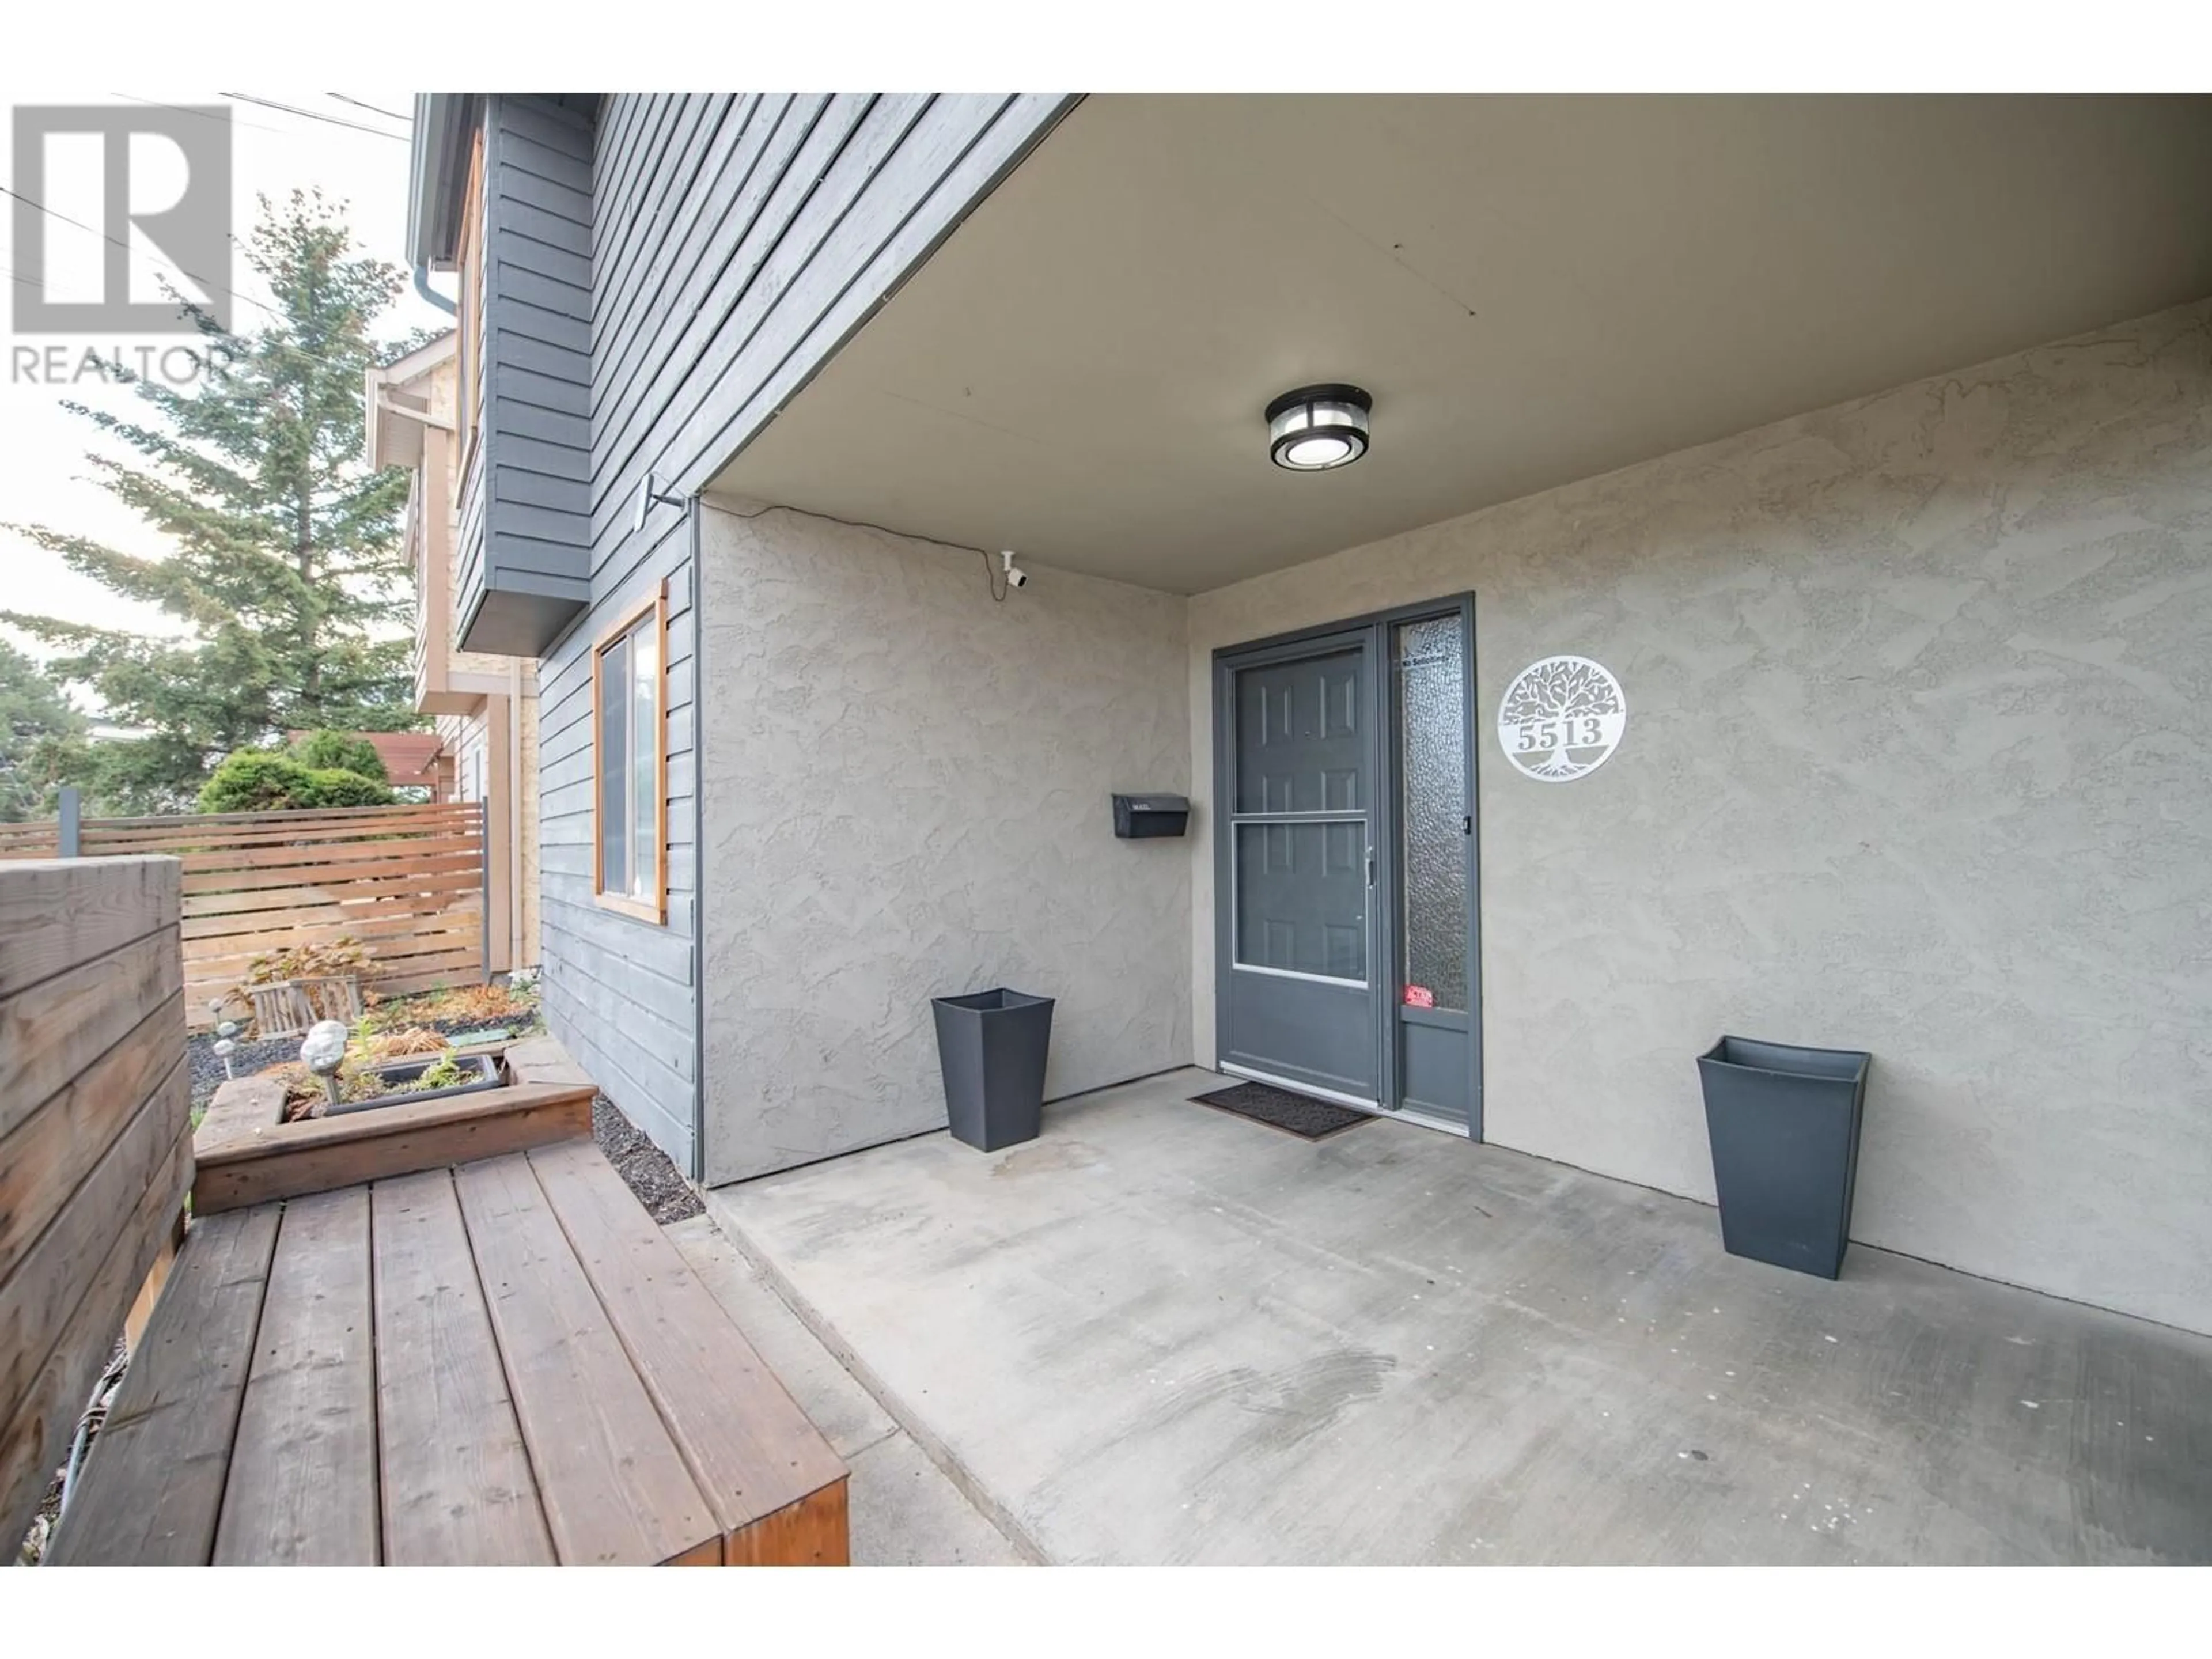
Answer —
502 1362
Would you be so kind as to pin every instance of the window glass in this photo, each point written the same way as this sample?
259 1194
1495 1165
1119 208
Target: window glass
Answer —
614 768
628 757
1432 758
1302 898
644 758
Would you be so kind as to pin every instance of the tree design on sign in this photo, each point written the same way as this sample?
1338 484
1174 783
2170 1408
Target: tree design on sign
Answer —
1561 704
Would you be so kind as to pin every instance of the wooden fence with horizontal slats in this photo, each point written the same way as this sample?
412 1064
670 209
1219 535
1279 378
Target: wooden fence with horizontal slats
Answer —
407 882
40 839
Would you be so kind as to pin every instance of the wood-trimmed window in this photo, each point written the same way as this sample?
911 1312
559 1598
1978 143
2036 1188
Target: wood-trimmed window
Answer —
629 760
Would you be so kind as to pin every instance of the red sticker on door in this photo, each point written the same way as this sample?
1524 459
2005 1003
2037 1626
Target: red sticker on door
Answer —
1419 996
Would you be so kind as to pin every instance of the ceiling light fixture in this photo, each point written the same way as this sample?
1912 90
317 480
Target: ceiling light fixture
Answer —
1318 426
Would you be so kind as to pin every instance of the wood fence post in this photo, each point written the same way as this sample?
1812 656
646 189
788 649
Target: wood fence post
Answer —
68 833
483 829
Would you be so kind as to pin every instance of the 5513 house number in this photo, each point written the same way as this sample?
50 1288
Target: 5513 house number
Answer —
1561 718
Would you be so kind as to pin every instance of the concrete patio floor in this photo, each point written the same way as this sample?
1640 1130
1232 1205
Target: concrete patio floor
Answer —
904 1513
1160 1334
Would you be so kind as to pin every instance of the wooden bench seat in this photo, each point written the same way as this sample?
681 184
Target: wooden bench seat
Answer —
504 1361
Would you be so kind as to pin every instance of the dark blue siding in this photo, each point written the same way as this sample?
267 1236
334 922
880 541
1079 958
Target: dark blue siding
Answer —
528 574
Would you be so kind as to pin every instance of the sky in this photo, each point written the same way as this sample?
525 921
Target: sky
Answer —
43 478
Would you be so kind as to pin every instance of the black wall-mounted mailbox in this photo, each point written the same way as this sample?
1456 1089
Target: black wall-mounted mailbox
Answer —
1138 818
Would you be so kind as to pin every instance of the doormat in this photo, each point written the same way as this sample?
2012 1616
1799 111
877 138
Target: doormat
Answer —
1279 1108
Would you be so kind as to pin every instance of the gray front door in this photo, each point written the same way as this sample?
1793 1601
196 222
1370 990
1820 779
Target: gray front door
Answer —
1303 1000
1344 861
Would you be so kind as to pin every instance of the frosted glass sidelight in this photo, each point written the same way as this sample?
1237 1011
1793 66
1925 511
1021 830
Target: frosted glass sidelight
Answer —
1431 664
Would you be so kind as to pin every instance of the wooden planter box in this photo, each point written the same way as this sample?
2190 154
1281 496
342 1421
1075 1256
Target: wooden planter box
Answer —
287 1007
246 1153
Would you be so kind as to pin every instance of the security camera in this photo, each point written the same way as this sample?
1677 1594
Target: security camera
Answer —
1014 578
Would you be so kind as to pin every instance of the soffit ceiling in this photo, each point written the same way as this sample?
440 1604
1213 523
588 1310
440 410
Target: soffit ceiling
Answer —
1536 290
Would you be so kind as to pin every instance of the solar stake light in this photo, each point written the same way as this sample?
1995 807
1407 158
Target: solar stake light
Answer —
226 1044
324 1052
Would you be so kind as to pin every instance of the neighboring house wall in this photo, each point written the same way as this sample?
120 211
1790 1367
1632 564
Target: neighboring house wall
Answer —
492 755
906 797
485 706
736 241
1914 763
467 744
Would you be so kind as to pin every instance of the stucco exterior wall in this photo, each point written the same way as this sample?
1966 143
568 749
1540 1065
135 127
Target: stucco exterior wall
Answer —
907 796
1916 762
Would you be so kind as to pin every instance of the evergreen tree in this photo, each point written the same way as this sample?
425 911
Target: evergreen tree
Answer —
288 568
37 726
343 751
262 780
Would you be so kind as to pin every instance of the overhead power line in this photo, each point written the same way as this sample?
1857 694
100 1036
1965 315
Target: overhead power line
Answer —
53 213
224 116
206 284
374 109
263 126
315 115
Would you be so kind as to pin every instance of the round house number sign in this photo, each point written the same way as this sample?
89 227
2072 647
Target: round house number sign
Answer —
1562 719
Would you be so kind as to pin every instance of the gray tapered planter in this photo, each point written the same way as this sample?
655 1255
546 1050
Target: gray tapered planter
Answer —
1783 1123
992 1048
482 1069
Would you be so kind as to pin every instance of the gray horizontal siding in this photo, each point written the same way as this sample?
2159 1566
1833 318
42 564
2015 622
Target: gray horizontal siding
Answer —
736 239
619 992
534 575
468 541
748 239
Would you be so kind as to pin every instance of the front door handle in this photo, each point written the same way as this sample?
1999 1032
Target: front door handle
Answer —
1371 867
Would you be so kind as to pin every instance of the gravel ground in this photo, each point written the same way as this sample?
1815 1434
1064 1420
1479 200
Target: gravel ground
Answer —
34 1546
648 1170
249 1058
